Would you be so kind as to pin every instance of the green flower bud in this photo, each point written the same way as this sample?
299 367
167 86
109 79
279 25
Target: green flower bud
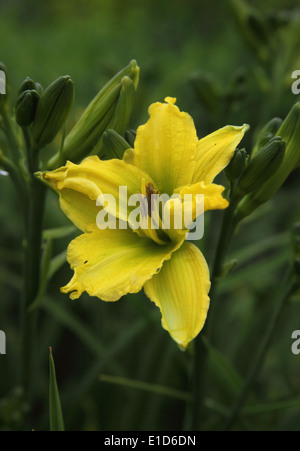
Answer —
85 135
237 164
26 107
39 88
27 85
114 145
290 133
124 107
122 111
52 111
263 166
130 136
4 87
267 132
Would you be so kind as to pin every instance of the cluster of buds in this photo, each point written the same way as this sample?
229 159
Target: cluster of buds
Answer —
101 129
275 155
262 166
110 109
44 111
52 111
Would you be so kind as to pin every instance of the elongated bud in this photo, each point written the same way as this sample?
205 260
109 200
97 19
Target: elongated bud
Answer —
87 132
26 107
4 87
122 112
290 133
263 166
124 107
267 132
52 111
237 164
114 145
84 136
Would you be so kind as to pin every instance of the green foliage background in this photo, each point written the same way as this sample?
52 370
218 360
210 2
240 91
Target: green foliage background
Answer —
175 43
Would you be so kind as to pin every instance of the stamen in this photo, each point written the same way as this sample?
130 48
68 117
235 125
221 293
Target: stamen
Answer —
150 190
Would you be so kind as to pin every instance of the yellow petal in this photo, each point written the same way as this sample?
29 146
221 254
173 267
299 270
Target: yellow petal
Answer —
189 206
80 185
215 151
212 196
79 208
110 263
180 290
165 147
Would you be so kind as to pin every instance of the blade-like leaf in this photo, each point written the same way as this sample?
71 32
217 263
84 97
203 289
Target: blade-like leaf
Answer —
56 416
146 386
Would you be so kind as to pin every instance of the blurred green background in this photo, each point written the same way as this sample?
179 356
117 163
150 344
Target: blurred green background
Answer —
222 72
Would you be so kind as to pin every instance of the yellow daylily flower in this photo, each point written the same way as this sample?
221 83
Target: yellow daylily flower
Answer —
167 158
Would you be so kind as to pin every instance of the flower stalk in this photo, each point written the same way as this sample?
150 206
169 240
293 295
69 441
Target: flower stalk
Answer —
32 260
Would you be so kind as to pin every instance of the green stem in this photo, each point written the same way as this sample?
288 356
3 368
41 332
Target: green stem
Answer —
283 296
229 225
32 276
27 141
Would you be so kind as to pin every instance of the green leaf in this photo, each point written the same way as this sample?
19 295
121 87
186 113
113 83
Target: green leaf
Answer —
86 336
223 370
56 263
48 268
107 358
145 386
271 406
47 253
56 416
